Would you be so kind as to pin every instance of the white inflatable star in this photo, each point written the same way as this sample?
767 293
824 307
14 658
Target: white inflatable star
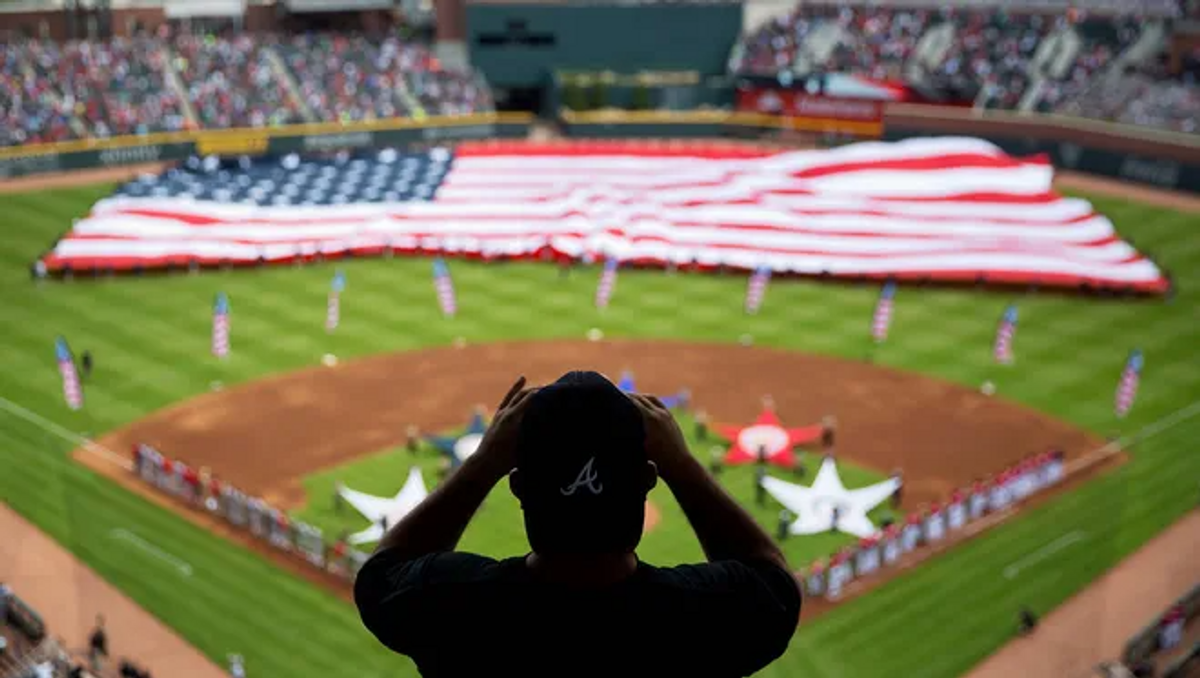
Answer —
394 508
814 505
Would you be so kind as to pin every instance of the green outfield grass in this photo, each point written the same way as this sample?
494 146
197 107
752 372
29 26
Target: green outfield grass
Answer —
150 338
497 528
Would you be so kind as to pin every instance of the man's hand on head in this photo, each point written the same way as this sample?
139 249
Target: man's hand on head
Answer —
499 445
665 445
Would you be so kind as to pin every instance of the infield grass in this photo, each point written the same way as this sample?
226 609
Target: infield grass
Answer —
150 338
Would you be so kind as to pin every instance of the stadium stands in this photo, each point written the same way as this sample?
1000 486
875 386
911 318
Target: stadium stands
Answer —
1169 646
26 651
1140 100
1001 59
347 78
231 82
97 89
1102 42
995 49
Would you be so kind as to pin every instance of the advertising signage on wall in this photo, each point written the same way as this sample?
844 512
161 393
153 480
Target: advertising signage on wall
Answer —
787 102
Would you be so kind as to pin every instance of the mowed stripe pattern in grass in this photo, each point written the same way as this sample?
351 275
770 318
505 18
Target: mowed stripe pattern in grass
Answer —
150 338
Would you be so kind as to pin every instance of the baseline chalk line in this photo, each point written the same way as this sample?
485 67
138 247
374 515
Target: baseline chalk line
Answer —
64 433
121 534
1150 430
1043 553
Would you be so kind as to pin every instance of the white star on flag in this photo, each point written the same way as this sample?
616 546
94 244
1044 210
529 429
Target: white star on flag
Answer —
394 508
814 505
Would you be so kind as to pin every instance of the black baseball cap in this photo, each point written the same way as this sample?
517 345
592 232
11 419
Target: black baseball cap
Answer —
582 456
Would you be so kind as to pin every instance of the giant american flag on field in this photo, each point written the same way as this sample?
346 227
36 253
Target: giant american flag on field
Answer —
946 208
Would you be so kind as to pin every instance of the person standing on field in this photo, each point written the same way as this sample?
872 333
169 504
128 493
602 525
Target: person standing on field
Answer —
580 456
98 646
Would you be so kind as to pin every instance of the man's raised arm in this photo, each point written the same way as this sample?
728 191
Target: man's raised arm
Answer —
725 530
438 522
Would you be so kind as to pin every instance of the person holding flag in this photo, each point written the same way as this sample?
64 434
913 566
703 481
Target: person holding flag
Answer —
1002 352
1128 386
883 313
445 288
220 329
757 288
333 311
608 281
72 388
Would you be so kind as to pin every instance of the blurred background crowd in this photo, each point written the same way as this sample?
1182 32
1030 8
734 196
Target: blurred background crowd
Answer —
168 82
1099 65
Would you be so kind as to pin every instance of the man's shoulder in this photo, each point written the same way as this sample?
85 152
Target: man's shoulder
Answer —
444 567
717 575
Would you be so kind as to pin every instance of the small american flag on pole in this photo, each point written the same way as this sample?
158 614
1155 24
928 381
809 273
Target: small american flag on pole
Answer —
608 281
445 288
1003 352
883 313
334 310
72 389
757 288
1127 388
220 331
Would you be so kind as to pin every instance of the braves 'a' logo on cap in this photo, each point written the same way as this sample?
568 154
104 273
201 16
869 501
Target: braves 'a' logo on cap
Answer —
587 478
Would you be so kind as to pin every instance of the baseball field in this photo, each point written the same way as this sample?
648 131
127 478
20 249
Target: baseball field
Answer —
401 362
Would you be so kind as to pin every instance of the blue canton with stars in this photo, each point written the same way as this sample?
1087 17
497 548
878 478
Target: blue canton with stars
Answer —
386 176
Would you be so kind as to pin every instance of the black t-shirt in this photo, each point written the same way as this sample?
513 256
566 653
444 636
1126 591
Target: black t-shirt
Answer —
459 614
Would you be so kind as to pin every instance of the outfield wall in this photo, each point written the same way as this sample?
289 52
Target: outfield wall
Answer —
1152 157
311 138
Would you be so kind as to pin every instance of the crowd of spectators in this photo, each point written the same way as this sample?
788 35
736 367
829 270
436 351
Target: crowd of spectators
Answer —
348 78
97 89
52 92
29 113
1103 41
231 82
450 92
883 39
776 44
994 50
1138 99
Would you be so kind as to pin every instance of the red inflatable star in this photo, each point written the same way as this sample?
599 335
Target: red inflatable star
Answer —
767 435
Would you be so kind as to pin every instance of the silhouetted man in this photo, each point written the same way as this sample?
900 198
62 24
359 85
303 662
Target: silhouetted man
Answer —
760 492
581 457
87 364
